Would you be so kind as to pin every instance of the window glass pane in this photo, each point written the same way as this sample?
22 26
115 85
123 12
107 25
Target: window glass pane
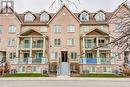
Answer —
43 29
57 28
12 29
1 28
71 28
85 29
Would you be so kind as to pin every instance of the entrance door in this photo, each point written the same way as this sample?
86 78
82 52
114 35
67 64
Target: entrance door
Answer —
64 56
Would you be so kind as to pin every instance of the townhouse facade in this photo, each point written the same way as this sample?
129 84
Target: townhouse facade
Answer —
61 42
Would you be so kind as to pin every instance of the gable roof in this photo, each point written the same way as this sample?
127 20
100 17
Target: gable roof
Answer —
119 7
64 6
98 31
30 31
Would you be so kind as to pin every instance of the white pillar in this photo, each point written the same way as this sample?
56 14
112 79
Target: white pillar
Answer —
44 49
30 57
84 46
98 56
17 48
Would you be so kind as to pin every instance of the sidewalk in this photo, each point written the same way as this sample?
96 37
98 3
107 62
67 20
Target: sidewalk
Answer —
62 79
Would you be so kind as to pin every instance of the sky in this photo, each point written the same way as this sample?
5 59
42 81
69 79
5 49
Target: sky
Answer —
89 5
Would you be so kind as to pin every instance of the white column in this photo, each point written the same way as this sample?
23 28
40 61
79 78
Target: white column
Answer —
98 59
30 57
17 51
44 49
83 46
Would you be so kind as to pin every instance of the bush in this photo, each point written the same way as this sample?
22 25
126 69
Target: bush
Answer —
26 75
102 75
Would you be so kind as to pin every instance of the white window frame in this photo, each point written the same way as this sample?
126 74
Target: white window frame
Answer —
71 41
1 29
91 69
84 16
12 29
29 17
107 69
71 28
11 42
57 29
44 17
100 16
54 55
43 29
73 55
12 55
117 28
85 29
57 42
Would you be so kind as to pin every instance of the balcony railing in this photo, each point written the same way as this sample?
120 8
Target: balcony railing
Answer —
93 45
30 60
95 61
33 46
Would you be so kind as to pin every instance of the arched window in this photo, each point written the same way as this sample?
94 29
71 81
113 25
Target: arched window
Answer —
84 16
44 17
29 17
100 16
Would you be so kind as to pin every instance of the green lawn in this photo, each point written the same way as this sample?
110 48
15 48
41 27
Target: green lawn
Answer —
102 75
25 75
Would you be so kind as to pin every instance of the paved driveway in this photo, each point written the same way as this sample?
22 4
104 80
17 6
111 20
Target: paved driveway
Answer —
62 82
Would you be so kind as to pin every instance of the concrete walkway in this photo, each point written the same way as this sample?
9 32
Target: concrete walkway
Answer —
62 78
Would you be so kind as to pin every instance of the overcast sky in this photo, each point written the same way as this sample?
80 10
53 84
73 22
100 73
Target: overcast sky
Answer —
89 5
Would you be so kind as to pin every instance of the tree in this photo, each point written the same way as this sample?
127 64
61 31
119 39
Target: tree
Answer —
58 3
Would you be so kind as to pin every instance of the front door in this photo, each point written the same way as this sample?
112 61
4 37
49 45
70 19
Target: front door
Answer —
64 56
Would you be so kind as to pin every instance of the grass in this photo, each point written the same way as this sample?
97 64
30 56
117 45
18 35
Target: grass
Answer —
25 75
103 75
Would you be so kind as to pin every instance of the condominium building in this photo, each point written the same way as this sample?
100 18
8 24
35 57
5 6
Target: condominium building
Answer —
60 42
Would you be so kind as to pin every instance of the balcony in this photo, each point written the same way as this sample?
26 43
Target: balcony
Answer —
30 61
34 47
93 45
95 61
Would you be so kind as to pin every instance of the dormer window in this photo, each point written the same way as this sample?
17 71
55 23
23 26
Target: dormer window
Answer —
29 17
100 16
44 17
84 16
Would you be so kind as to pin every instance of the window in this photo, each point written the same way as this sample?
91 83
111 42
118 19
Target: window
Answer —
57 42
101 42
44 17
12 55
85 29
54 55
88 43
92 69
89 55
22 69
12 29
106 69
100 16
29 17
11 42
101 27
34 69
57 28
71 41
117 28
84 16
71 28
43 29
1 28
73 55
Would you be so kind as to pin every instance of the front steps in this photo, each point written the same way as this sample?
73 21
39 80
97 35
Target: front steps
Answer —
63 70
